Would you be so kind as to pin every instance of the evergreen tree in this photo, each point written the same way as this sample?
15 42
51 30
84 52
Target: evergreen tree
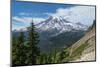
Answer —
14 50
33 41
17 49
62 55
94 23
54 55
21 50
92 26
25 52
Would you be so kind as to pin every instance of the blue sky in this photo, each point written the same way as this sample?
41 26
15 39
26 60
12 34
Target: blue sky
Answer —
24 12
37 9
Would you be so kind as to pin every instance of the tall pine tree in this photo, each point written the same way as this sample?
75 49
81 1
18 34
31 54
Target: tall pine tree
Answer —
25 51
33 41
21 54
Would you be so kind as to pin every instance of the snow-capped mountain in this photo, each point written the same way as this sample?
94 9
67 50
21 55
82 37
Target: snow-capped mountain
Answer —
60 25
57 25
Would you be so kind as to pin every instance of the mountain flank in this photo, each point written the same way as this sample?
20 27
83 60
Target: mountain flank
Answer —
85 46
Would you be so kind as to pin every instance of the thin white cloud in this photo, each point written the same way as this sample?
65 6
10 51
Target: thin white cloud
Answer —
15 27
25 14
18 19
83 14
25 21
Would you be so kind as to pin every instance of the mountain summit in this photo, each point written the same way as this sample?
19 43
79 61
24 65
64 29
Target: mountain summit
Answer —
60 25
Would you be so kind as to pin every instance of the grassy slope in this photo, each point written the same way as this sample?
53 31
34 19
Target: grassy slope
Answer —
82 48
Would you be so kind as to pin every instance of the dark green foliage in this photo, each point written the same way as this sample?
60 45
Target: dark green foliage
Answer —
25 52
93 25
62 55
17 49
21 53
33 40
14 50
78 52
